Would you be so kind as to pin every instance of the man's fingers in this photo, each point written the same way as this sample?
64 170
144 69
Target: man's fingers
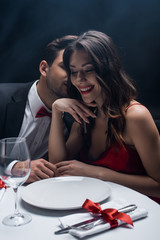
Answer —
49 165
32 178
41 169
44 175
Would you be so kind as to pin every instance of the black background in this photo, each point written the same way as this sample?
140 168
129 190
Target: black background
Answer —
26 26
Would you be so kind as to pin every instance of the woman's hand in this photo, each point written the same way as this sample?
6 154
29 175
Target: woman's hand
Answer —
73 168
76 108
140 183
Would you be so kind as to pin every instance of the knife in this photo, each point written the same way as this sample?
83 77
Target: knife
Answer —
125 209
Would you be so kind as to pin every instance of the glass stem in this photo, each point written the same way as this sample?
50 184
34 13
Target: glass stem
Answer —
16 212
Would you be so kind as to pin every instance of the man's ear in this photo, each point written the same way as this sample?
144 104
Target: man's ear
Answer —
43 68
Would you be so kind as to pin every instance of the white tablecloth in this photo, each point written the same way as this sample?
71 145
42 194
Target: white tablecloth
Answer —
45 222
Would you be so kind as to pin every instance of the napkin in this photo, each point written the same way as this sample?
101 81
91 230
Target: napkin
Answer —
2 189
78 217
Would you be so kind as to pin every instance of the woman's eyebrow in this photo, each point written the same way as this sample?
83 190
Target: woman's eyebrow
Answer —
83 65
61 63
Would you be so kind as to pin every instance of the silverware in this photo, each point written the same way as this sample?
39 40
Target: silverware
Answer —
125 209
90 225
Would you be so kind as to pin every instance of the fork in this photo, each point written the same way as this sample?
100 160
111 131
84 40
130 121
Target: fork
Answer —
90 225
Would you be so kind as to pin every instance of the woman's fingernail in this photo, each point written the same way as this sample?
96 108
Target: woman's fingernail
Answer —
79 121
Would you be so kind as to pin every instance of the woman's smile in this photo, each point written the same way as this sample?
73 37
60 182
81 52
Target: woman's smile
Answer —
83 77
86 89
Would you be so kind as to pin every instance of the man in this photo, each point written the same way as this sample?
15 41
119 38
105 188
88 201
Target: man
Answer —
21 102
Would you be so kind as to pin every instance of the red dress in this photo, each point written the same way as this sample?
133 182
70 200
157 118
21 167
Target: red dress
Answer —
120 159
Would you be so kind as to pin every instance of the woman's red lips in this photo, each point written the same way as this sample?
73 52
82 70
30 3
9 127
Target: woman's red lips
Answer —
87 89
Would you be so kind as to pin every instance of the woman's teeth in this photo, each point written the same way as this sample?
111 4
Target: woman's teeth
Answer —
87 89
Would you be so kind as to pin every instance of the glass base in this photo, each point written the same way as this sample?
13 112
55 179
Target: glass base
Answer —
17 220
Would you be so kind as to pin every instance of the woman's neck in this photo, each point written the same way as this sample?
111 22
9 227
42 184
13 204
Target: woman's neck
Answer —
101 114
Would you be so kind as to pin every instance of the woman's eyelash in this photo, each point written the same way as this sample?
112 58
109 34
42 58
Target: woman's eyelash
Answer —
75 72
87 70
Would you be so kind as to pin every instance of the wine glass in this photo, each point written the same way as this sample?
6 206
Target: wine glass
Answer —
15 166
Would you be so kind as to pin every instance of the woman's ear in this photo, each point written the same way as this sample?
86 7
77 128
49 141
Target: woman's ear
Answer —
43 68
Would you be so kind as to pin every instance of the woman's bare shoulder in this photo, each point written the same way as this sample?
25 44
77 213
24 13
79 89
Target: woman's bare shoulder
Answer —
137 112
140 124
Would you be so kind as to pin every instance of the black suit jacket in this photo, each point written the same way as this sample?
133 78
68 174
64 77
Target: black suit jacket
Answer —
13 98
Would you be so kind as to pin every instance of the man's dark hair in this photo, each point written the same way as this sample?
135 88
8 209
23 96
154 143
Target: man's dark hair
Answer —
52 49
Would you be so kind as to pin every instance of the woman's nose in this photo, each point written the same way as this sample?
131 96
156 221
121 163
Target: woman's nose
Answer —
81 75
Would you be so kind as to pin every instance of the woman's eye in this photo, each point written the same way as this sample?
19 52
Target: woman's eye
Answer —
61 65
89 70
73 73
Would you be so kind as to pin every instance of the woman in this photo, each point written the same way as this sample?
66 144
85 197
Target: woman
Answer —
114 135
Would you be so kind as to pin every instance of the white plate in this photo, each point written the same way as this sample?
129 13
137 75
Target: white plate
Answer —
64 193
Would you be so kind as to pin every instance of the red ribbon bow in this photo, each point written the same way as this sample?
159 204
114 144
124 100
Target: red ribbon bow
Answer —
43 113
2 184
110 214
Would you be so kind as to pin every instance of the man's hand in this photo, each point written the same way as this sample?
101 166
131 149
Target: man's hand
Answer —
40 169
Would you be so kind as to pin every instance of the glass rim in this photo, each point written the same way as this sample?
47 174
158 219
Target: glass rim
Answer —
13 139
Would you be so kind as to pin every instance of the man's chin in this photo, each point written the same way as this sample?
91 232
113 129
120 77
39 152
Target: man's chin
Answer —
62 95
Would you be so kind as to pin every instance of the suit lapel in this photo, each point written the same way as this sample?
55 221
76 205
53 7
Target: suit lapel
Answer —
15 111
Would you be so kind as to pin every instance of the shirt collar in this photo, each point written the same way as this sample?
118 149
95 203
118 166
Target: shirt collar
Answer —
34 100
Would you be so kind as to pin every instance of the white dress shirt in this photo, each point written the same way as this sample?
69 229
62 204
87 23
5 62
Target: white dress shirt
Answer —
35 130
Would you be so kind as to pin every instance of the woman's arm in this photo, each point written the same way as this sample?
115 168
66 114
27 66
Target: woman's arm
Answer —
143 184
144 135
57 147
59 150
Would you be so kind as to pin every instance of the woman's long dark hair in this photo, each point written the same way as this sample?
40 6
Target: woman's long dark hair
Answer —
117 86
